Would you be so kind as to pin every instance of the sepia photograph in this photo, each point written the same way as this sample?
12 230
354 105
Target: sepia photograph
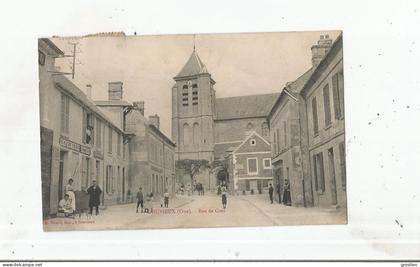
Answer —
192 131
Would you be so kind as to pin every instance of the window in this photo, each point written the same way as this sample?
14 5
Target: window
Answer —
65 111
194 86
185 95
196 134
267 163
327 109
319 172
253 142
41 58
186 134
337 81
343 165
250 126
109 187
98 133
87 129
315 116
278 140
275 143
252 166
119 145
285 133
265 183
109 140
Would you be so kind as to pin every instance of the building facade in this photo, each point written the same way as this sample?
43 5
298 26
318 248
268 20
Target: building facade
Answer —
324 99
78 141
288 144
152 154
251 164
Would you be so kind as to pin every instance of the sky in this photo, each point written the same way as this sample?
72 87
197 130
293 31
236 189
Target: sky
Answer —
240 63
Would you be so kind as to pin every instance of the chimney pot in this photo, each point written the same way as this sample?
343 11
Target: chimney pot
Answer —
115 90
155 120
89 91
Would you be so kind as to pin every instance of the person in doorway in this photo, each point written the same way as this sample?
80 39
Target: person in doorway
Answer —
270 192
140 200
166 198
65 206
94 197
286 193
223 191
69 190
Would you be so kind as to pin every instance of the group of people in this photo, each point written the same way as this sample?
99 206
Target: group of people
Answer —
68 206
146 207
286 193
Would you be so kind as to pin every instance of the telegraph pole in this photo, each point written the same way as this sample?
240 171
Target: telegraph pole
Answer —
74 60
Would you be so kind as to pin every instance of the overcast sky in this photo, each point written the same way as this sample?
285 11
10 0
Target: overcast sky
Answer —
241 64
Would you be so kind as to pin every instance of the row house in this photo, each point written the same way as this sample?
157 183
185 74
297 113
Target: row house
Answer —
152 154
78 140
307 131
324 99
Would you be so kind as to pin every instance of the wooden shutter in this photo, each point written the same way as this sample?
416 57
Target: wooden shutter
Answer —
336 97
315 116
327 108
84 125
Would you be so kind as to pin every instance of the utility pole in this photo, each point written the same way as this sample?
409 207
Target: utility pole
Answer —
74 60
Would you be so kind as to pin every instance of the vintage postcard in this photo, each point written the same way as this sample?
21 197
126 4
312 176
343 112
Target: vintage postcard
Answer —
192 131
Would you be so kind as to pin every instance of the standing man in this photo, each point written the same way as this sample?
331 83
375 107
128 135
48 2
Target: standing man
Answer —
139 200
166 198
94 193
270 193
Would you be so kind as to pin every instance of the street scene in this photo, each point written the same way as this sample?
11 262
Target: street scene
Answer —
192 131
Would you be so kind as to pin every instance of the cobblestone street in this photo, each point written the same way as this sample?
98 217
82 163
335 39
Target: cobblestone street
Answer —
200 211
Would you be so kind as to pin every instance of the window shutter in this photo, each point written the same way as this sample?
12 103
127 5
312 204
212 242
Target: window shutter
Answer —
315 116
336 97
84 125
327 108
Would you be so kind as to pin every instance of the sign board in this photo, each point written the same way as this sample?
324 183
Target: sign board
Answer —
65 142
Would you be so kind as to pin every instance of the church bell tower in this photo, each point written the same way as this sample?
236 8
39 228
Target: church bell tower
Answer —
193 111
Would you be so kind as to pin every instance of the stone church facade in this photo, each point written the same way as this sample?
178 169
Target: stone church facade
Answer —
205 127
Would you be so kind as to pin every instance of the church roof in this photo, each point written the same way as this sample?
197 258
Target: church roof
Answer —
239 107
193 66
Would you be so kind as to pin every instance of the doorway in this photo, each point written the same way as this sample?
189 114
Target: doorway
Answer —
332 176
61 175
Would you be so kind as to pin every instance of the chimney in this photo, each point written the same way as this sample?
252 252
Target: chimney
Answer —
115 90
89 91
154 119
320 49
139 105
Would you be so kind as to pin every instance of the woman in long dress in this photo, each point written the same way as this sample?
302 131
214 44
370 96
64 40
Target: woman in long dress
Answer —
70 191
286 193
224 195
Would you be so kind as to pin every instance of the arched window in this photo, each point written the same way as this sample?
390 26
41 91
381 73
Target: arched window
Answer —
264 129
186 133
250 126
196 133
185 95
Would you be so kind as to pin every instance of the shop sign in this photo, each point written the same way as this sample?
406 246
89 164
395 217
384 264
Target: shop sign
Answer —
66 143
